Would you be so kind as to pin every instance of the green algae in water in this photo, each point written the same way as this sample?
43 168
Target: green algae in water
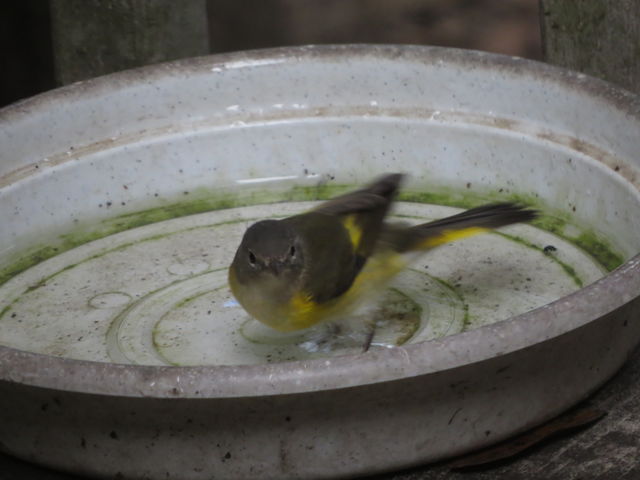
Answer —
6 309
204 200
451 197
568 269
592 243
596 246
434 198
599 249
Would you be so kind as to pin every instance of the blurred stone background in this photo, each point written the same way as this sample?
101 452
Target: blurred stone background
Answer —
504 26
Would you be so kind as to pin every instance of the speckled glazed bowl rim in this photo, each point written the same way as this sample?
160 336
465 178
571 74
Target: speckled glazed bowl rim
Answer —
568 313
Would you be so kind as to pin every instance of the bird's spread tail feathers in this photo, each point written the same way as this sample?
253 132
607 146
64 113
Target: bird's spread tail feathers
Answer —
465 224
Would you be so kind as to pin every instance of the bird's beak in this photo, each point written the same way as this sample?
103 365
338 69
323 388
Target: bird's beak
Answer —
275 267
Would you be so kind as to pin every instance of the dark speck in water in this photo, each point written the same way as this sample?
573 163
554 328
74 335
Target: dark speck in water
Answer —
549 249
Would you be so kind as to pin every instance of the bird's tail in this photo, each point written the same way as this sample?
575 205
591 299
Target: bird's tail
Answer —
465 224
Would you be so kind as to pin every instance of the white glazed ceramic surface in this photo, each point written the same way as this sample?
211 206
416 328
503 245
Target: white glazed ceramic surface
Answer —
127 353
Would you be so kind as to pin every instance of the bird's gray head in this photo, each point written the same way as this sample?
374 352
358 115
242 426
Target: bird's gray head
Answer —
269 247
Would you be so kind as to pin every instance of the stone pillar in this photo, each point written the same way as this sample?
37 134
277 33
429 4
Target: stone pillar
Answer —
596 37
95 37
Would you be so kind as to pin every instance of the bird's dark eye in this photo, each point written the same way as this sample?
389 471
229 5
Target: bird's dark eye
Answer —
292 251
252 258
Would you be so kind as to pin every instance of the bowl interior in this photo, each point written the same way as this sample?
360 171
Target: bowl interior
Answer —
123 199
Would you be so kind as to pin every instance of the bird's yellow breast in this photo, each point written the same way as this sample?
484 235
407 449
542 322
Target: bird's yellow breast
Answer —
303 311
300 310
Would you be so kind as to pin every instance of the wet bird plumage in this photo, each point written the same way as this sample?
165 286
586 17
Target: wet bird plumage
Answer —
293 273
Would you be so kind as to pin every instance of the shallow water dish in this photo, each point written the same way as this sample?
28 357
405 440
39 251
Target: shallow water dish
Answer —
123 198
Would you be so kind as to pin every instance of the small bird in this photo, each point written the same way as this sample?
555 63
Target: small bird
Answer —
322 265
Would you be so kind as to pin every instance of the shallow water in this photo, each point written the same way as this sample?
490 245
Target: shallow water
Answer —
158 294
